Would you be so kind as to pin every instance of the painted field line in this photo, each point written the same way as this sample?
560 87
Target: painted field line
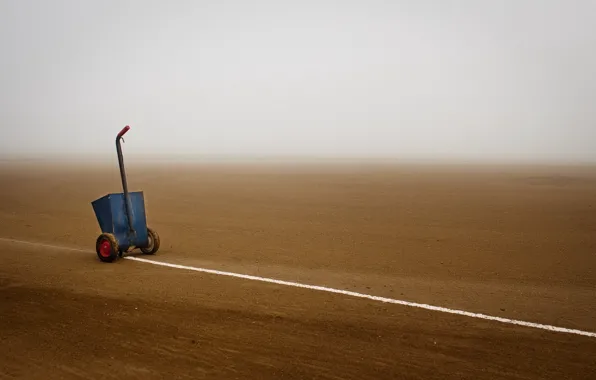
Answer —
51 246
333 290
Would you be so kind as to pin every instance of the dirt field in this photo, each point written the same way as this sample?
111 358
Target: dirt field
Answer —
514 242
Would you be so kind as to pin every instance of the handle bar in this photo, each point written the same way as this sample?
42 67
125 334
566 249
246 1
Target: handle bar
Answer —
123 176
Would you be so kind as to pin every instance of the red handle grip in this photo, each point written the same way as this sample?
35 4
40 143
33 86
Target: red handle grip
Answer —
123 131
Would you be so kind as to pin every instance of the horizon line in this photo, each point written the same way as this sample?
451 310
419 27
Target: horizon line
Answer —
135 158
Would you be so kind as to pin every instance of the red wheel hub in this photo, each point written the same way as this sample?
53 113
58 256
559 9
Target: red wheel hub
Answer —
105 248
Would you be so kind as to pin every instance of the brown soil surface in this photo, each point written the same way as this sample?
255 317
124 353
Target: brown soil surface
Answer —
516 242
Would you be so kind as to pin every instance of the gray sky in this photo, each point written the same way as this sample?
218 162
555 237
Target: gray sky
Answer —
416 79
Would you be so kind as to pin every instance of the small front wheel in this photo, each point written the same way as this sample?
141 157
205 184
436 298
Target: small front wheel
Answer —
107 248
153 242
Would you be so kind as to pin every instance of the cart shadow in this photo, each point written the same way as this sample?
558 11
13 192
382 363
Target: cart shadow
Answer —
134 254
125 255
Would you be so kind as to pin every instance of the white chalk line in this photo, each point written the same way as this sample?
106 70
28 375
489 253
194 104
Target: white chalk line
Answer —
44 245
332 290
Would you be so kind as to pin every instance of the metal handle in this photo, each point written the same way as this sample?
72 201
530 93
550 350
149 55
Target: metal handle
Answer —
123 176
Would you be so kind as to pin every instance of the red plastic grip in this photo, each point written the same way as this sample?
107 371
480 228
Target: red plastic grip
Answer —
123 131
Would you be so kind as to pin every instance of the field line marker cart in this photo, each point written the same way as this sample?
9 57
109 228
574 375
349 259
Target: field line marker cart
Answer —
122 219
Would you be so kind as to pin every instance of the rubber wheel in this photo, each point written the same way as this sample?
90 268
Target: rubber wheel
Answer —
153 246
107 248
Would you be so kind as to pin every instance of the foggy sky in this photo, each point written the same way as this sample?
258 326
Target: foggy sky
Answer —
420 79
